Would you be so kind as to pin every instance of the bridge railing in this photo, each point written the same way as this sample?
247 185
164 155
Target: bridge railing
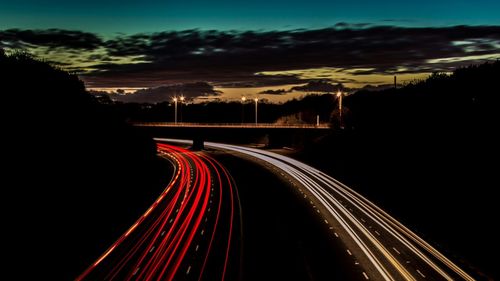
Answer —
231 125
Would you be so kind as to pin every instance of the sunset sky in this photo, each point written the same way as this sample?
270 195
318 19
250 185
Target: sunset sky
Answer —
247 47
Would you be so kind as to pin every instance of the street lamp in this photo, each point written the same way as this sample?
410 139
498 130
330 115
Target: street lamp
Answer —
175 102
243 100
256 102
339 96
181 99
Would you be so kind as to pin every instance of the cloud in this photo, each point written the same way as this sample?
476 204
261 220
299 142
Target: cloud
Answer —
319 86
222 57
166 93
274 92
53 38
232 58
377 87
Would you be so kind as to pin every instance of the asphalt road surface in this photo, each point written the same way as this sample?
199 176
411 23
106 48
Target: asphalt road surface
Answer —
382 247
291 222
191 232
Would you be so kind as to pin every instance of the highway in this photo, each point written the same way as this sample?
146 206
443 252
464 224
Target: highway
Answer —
190 232
382 247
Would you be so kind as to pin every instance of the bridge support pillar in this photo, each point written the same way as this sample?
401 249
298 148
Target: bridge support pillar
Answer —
198 144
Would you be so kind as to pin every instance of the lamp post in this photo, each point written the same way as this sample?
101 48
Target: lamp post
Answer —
243 100
175 118
182 100
339 96
256 102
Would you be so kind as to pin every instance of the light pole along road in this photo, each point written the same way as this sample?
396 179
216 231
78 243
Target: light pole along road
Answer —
256 103
384 248
175 110
243 100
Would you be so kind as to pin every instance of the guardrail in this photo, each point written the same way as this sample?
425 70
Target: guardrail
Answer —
232 125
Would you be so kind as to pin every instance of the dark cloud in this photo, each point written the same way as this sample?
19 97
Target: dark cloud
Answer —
377 87
345 25
234 57
246 81
320 86
274 92
223 57
52 38
166 93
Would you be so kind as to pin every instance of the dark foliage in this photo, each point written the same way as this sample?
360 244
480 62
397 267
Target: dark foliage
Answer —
464 100
230 112
78 177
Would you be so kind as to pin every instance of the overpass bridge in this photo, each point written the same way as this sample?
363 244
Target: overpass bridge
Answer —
270 134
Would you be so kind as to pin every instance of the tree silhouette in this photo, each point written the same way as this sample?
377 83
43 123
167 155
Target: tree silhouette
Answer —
79 170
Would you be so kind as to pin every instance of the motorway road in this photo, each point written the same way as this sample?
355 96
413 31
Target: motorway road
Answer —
191 232
383 247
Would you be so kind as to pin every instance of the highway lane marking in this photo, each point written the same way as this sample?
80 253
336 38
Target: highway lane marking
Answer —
349 252
163 233
188 270
326 221
356 262
202 231
363 220
316 210
399 253
361 244
136 270
171 220
336 235
365 275
196 249
208 210
421 274
331 227
152 249
377 233
206 219
399 227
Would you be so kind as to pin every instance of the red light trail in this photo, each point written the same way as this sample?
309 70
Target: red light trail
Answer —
174 239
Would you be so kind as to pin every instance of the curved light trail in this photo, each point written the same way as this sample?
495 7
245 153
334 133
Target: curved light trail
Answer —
174 239
386 249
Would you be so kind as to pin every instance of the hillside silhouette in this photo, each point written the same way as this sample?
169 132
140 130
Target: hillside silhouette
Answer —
78 175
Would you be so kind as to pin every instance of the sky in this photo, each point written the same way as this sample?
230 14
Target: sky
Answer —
247 47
